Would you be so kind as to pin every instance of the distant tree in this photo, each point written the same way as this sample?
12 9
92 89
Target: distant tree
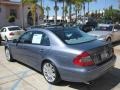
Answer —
47 10
56 8
112 14
66 11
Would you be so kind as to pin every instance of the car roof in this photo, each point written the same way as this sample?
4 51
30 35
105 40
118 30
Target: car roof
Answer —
46 28
50 28
10 26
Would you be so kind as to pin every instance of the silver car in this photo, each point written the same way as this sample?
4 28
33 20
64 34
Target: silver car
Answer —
62 54
107 32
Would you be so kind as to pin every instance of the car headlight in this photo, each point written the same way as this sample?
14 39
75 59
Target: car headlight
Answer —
101 37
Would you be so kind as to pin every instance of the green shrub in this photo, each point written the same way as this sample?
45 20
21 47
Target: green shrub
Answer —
11 19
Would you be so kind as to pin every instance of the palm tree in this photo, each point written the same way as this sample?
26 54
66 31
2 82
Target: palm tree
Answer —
33 8
89 1
66 11
63 10
41 7
41 11
56 8
70 2
77 8
22 2
47 10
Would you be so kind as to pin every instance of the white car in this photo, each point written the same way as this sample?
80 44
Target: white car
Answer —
11 32
107 32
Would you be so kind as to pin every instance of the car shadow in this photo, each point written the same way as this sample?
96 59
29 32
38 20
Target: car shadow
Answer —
116 43
106 82
2 43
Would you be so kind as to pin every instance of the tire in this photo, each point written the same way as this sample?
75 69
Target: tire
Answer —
108 40
8 55
50 73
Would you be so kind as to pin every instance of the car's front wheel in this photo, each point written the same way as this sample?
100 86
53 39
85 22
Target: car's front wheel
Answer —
50 73
108 40
6 39
8 55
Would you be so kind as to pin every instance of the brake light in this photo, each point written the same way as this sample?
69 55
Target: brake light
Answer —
83 59
11 34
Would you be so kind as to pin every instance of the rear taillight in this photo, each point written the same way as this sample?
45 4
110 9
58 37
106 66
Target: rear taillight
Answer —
83 59
11 34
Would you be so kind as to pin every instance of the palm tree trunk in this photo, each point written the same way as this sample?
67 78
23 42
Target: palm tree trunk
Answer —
22 15
84 12
88 7
47 16
70 7
76 13
55 11
63 10
34 17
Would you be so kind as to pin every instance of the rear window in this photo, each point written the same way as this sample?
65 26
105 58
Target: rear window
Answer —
14 28
73 36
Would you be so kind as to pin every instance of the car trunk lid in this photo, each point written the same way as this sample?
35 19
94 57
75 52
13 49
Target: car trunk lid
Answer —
99 51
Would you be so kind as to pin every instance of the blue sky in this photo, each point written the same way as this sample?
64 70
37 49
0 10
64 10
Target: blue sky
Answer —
98 5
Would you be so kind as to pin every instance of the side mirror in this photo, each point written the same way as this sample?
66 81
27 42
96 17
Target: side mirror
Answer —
15 41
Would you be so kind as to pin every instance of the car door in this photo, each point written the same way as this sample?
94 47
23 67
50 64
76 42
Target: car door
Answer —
19 51
3 33
37 50
117 32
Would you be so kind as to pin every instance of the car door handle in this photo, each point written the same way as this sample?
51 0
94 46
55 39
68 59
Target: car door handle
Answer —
41 50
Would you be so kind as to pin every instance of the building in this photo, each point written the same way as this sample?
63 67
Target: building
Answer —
8 8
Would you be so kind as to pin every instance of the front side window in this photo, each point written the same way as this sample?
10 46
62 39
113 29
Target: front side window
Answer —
26 38
117 27
3 30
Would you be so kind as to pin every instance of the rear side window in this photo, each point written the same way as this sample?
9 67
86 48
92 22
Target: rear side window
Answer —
117 27
104 28
3 30
40 38
14 28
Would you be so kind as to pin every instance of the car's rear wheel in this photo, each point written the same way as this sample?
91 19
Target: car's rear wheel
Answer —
50 73
8 55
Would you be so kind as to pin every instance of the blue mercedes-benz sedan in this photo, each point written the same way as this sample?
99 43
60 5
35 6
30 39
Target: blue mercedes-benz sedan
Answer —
62 53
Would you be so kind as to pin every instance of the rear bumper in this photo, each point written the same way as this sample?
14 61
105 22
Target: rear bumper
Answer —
83 75
13 37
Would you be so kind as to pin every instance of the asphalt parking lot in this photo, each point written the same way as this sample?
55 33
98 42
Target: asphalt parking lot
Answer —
16 76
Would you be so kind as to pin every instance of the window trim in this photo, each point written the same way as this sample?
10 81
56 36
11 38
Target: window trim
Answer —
33 32
22 36
43 34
